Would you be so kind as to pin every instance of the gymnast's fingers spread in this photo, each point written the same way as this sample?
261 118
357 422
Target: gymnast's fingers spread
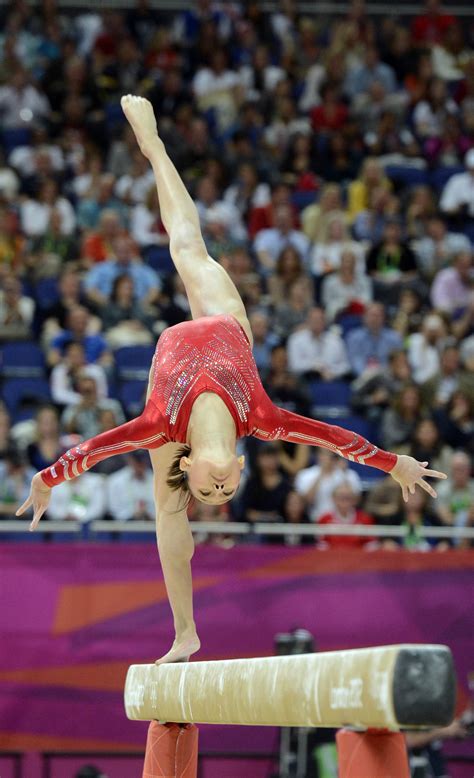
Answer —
411 488
36 518
405 493
433 474
427 487
24 507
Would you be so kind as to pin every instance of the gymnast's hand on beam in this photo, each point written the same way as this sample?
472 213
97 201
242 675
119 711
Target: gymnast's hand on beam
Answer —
39 497
409 473
140 115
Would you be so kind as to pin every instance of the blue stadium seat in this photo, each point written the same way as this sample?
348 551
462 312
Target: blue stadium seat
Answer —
302 199
133 362
22 360
441 175
159 258
114 116
330 398
23 395
349 322
132 396
360 425
406 175
17 136
46 292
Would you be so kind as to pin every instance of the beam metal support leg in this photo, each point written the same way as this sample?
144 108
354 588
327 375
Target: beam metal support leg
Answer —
171 751
372 754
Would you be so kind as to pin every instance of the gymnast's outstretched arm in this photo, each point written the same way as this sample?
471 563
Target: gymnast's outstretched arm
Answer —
272 423
146 431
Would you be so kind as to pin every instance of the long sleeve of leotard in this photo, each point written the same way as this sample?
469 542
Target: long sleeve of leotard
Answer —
273 423
146 431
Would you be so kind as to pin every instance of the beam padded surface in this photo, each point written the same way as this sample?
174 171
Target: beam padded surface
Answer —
360 688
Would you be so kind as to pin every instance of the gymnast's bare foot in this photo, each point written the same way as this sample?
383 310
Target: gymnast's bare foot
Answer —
139 112
181 650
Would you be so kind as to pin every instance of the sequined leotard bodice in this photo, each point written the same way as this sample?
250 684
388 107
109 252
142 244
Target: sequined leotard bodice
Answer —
210 354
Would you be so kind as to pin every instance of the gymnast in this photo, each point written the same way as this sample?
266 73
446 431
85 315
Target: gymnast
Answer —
204 392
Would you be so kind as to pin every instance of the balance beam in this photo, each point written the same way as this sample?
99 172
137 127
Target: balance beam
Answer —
390 687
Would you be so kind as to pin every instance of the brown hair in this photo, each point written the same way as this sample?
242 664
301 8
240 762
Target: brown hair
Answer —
177 479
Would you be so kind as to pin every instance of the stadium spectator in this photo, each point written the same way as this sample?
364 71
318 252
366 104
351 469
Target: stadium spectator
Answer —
80 499
452 287
290 315
457 197
345 512
270 242
391 262
435 250
130 490
263 339
15 477
456 422
347 291
456 494
401 417
83 416
35 213
315 351
265 493
370 346
439 389
333 240
99 281
16 310
418 516
317 483
424 348
65 374
98 245
371 177
47 445
78 330
372 391
288 269
428 445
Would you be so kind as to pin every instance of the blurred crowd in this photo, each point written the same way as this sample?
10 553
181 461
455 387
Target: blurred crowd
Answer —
331 160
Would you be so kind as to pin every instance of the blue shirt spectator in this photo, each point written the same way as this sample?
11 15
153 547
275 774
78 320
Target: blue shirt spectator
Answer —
78 331
99 280
370 346
360 80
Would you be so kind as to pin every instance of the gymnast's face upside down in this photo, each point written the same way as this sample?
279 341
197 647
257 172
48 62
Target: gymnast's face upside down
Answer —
211 481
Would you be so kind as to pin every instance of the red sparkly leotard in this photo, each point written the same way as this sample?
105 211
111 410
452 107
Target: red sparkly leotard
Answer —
211 354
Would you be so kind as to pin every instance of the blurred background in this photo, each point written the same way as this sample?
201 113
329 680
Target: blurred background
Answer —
329 148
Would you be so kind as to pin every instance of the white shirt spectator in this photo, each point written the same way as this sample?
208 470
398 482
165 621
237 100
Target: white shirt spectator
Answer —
429 122
135 188
323 502
129 496
62 390
325 257
227 212
423 358
145 229
458 193
429 251
81 499
22 107
271 77
9 183
324 353
337 295
24 158
35 216
272 241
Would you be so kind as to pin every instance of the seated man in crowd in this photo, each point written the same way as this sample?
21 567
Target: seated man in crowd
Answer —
130 494
317 352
